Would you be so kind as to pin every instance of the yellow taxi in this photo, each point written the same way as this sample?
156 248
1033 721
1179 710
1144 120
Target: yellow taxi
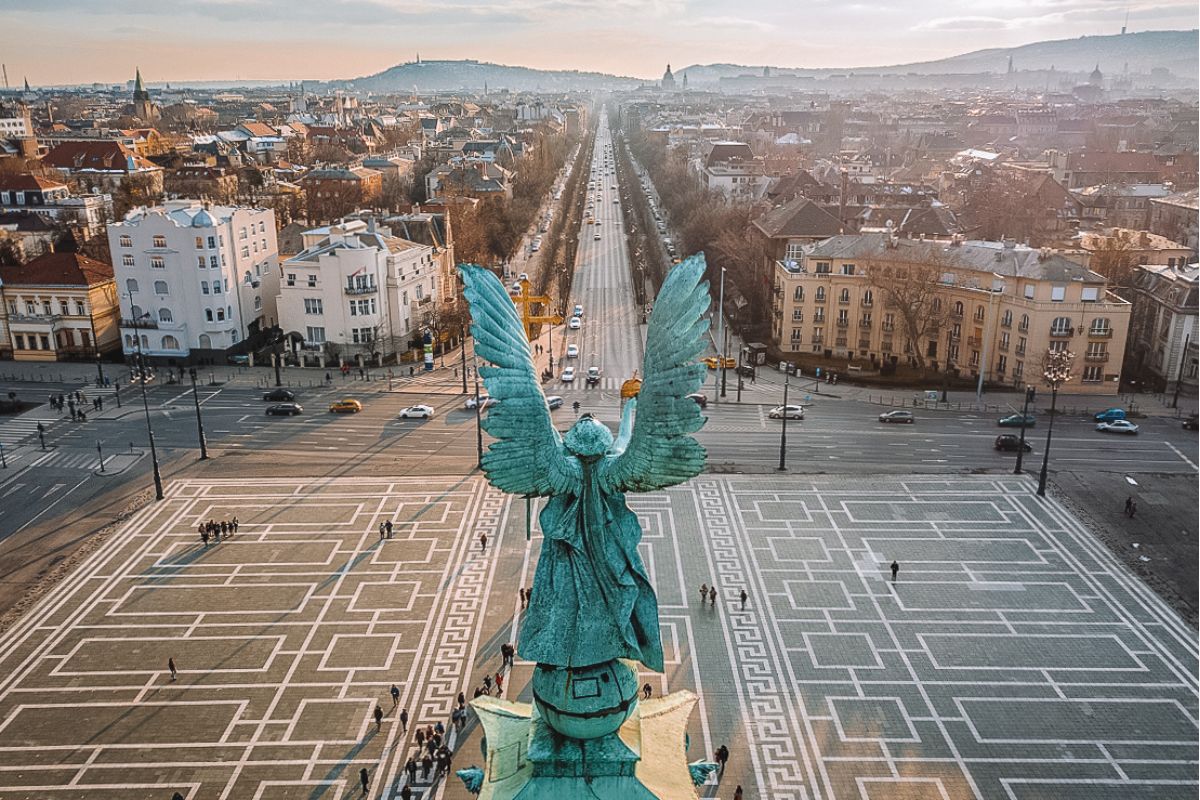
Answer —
714 362
345 406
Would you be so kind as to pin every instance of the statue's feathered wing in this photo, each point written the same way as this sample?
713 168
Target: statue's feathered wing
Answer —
660 451
528 455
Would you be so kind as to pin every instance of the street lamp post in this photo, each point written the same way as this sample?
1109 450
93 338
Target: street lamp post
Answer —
1055 373
720 325
141 364
478 421
462 335
1030 393
783 427
199 420
724 355
278 354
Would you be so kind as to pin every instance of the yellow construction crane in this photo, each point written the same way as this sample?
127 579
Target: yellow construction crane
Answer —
524 301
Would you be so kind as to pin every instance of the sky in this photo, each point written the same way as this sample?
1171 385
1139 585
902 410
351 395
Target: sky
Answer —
82 41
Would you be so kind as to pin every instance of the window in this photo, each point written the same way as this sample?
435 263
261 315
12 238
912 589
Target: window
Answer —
199 262
220 315
80 308
1093 374
216 287
245 252
1004 341
1024 322
793 251
85 338
958 308
823 268
1029 291
160 287
247 278
1097 351
255 246
257 302
847 269
314 305
64 307
164 315
46 308
135 312
291 279
1058 346
979 312
127 260
974 360
1089 294
1006 319
1002 364
820 294
420 292
937 304
159 241
208 314
157 262
844 296
20 337
212 243
819 315
242 233
199 242
213 263
131 285
315 335
843 317
170 343
204 287
312 280
798 294
796 335
868 298
125 241
1058 294
1061 326
45 342
362 335
797 315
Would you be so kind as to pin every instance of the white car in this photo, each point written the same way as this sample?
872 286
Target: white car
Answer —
572 351
417 412
524 276
484 402
554 401
1117 426
568 375
574 324
793 412
596 237
578 312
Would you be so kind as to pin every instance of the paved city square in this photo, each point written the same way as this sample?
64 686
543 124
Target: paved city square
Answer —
1012 658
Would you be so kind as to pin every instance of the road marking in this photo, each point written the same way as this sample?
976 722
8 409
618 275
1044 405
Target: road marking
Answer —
1186 460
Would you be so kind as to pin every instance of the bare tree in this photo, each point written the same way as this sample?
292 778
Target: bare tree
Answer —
1114 257
913 291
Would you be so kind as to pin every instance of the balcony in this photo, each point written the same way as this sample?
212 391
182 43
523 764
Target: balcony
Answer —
1023 327
1003 346
865 324
887 345
840 341
1020 351
843 323
956 315
955 337
868 303
889 326
819 298
818 341
864 344
1062 333
1096 358
819 319
360 289
1005 323
974 341
1097 333
843 301
139 323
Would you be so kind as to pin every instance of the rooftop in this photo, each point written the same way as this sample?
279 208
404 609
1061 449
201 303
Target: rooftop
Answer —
57 269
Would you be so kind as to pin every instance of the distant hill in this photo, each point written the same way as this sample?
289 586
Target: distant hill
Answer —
473 76
1174 50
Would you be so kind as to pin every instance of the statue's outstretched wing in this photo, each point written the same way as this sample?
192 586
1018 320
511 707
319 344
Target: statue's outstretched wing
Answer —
528 456
660 452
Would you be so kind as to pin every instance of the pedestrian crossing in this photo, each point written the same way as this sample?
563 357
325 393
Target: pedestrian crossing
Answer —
68 459
18 429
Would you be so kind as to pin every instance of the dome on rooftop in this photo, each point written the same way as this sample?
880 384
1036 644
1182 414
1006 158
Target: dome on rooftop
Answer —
203 219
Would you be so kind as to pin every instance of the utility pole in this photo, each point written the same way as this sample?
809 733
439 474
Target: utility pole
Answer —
199 420
783 428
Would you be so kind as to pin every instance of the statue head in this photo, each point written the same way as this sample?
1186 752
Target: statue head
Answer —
588 438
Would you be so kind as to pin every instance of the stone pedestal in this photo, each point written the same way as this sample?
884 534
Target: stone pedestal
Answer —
645 759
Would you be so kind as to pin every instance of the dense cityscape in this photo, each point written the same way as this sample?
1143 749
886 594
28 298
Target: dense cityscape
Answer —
872 393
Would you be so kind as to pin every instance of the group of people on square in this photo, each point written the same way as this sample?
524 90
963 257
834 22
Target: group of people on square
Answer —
214 531
708 594
73 403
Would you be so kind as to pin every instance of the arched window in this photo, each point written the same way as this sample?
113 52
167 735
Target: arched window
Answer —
135 312
845 296
958 308
204 342
1100 325
164 315
208 314
979 312
1024 322
1061 326
937 304
247 279
128 342
145 342
820 293
160 287
868 297
131 285
1006 320
170 343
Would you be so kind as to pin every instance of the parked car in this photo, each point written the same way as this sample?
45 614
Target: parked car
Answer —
793 412
1191 423
280 396
419 411
1008 443
746 370
593 376
701 400
572 351
568 375
1110 415
347 405
554 401
1117 426
485 402
597 236
1017 421
239 359
897 416
574 324
716 362
284 410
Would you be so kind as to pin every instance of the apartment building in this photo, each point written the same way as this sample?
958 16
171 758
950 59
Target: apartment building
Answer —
195 279
58 307
994 307
1163 332
355 293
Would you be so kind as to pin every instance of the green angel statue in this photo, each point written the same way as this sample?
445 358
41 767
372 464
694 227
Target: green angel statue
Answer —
592 601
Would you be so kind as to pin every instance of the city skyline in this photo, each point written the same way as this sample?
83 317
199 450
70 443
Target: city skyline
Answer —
214 40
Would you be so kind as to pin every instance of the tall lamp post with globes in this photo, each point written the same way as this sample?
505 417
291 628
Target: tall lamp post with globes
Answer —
1056 370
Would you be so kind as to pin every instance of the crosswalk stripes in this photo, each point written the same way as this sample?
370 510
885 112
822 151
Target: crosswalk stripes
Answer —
17 429
69 459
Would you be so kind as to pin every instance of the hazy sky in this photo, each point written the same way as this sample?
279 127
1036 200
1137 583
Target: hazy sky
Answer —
75 41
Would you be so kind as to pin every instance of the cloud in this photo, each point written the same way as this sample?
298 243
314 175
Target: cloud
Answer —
733 22
961 24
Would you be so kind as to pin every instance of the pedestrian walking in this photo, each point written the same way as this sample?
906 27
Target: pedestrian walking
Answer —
426 766
233 525
722 758
737 793
487 684
378 716
410 767
1128 506
395 691
439 729
499 684
364 778
404 720
521 591
204 535
743 597
406 792
895 571
99 403
328 378
1133 510
483 542
382 531
712 596
224 529
646 690
387 524
420 737
171 667
703 593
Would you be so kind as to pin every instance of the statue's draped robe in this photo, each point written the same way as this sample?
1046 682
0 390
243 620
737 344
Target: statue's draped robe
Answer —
603 605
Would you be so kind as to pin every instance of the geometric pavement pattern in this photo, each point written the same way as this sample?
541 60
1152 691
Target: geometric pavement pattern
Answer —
1013 657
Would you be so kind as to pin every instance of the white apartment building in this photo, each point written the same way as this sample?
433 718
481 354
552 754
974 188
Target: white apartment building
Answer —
356 294
195 279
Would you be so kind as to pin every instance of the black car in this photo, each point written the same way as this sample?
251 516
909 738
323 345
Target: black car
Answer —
746 370
1191 423
279 396
700 399
284 410
1008 443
